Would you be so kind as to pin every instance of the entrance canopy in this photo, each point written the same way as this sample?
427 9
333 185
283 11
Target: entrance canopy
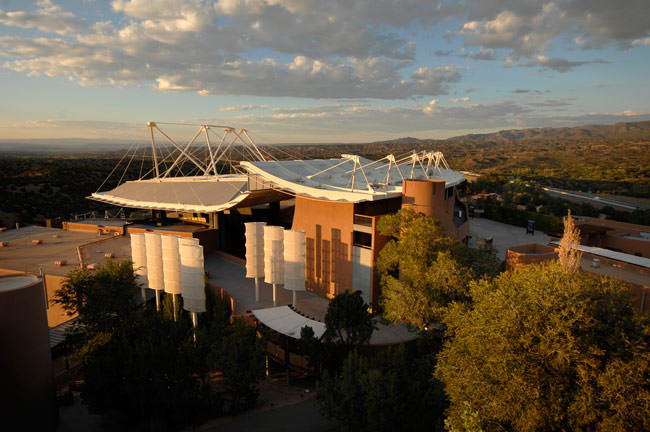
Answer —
285 320
193 194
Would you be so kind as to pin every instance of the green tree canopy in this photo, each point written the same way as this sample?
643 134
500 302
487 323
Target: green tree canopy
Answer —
543 349
422 270
347 320
389 391
102 298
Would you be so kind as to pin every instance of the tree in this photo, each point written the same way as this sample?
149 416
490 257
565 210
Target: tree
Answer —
239 355
103 298
312 348
568 253
420 269
541 349
387 392
144 375
143 369
420 298
347 320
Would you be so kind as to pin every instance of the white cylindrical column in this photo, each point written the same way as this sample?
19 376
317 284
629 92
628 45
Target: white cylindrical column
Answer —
192 277
273 257
294 261
255 253
171 264
139 258
188 240
155 274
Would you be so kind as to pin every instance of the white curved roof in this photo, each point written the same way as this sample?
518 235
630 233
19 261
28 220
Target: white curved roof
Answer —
193 194
344 179
285 320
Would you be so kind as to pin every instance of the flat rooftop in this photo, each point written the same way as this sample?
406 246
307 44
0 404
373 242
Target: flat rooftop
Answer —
173 228
23 254
113 222
503 235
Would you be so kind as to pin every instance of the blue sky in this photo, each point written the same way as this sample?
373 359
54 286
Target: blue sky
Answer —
320 71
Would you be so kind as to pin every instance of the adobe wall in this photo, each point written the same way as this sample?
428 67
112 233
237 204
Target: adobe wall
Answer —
613 240
28 395
531 253
328 226
51 283
627 245
428 196
85 227
378 243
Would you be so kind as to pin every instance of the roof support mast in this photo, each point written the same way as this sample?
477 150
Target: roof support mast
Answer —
153 148
207 140
180 149
184 152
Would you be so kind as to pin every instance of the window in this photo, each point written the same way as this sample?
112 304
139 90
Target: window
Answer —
363 220
362 239
449 192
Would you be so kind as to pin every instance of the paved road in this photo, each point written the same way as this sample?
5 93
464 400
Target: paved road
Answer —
597 200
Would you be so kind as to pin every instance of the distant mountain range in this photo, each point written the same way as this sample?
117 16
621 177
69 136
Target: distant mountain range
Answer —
634 130
639 131
62 146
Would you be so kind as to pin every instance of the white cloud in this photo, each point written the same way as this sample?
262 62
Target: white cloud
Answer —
460 99
47 17
243 107
527 28
311 48
560 64
204 47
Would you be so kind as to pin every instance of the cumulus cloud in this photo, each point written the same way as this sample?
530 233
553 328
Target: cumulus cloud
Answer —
560 64
528 28
47 17
316 50
306 48
460 99
482 54
530 91
552 103
443 53
243 107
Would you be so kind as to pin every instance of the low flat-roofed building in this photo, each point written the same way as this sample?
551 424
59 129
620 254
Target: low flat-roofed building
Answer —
52 253
632 269
624 237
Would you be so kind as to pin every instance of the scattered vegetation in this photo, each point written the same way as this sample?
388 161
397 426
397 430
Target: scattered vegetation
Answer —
142 370
423 270
542 349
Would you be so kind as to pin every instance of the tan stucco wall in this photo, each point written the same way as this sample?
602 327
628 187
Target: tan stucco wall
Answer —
627 245
531 253
27 397
55 314
98 228
428 197
328 226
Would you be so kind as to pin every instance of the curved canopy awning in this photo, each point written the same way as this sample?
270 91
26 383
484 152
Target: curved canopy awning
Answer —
350 178
285 320
192 194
